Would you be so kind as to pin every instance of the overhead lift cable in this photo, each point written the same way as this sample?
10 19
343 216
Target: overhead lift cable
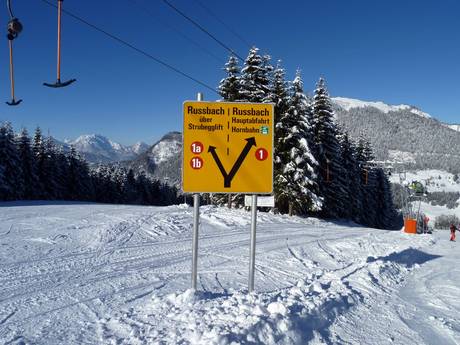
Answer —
231 51
180 33
129 45
229 28
14 29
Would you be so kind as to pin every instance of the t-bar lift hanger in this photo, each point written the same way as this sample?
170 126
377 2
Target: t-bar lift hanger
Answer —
58 81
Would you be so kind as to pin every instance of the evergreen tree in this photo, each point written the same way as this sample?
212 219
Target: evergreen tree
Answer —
229 87
365 157
266 80
387 214
279 95
79 181
53 189
12 187
328 155
103 186
3 186
130 188
72 181
353 187
255 77
61 172
86 186
29 169
39 152
295 178
144 190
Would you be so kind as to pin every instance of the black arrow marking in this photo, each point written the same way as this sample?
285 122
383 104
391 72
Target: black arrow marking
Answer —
213 152
250 143
229 177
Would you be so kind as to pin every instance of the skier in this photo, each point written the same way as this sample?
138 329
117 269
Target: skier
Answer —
425 224
452 232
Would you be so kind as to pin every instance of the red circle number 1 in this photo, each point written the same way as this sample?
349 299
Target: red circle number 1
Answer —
261 154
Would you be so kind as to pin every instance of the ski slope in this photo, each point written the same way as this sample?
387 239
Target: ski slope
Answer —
76 273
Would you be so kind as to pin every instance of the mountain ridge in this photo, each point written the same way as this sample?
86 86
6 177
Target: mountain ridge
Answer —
97 148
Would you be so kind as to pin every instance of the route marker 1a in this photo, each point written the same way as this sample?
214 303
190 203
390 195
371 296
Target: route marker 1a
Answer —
227 147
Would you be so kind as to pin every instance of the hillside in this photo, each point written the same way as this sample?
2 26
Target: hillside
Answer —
402 131
162 160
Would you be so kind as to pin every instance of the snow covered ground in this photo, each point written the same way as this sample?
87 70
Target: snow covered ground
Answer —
105 274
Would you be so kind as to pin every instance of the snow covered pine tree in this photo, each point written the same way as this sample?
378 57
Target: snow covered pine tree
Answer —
327 153
295 181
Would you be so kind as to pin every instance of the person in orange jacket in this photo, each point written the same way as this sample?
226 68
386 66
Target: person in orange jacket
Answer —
452 232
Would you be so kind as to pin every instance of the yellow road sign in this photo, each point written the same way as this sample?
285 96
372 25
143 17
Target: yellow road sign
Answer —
228 147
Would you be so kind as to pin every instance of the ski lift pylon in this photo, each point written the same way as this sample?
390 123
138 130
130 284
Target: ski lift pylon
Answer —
14 29
58 82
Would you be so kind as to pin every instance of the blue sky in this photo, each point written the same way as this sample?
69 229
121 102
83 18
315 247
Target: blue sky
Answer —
394 51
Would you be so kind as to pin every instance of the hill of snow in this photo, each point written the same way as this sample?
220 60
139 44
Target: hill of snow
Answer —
104 274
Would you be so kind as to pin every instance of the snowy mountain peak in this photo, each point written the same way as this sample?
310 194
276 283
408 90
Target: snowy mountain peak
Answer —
349 103
91 140
139 147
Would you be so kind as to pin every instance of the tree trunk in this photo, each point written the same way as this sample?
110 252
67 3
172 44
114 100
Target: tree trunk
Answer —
291 209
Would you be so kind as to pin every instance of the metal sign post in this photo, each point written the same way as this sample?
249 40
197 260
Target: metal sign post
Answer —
196 226
252 254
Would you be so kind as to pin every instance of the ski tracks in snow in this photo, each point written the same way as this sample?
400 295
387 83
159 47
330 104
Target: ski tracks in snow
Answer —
114 274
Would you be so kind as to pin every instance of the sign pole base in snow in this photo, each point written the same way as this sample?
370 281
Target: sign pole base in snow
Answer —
252 254
196 225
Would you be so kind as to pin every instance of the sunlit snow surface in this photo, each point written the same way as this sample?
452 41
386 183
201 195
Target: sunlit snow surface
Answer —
104 274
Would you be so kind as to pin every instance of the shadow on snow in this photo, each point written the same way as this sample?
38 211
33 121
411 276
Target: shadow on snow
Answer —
408 257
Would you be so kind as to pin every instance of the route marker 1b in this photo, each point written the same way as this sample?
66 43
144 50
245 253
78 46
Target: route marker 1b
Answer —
228 147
